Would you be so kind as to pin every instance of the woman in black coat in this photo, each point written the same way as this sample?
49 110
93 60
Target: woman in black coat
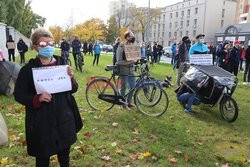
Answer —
22 48
49 120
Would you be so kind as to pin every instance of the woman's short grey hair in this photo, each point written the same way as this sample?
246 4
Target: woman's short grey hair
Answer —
38 33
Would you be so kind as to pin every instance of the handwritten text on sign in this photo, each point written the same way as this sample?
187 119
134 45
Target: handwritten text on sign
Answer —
201 59
132 52
53 79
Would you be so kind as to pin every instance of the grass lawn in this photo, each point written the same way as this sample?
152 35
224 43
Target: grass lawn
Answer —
128 138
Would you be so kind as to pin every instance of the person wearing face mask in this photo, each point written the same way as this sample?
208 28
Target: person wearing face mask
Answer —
183 57
234 58
126 69
49 121
199 47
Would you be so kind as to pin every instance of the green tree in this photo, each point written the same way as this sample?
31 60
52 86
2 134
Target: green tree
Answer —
112 30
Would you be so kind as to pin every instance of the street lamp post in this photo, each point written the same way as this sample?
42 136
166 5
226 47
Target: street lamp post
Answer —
148 23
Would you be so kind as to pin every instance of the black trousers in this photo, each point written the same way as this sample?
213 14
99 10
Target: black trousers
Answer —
22 55
75 58
96 59
234 68
90 52
63 158
247 72
11 52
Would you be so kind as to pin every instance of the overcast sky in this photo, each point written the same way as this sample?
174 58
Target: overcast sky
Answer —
58 12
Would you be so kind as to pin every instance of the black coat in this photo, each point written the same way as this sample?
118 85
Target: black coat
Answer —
65 46
234 56
21 46
50 128
247 55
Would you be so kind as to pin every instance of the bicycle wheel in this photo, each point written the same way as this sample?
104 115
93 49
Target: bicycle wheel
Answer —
94 89
154 106
150 96
229 109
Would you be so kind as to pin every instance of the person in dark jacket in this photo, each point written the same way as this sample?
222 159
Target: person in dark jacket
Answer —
155 52
65 47
49 120
160 52
183 57
117 42
90 48
76 49
11 46
247 67
212 51
22 48
234 58
85 48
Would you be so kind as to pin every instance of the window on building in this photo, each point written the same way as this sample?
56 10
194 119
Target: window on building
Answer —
154 35
187 23
162 34
195 22
163 27
164 17
188 12
222 23
194 33
170 25
171 15
223 12
176 24
197 1
196 10
158 34
175 34
169 34
182 13
224 2
181 24
180 33
187 33
176 14
155 27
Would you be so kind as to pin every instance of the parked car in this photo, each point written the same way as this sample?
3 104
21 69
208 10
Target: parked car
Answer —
167 51
107 48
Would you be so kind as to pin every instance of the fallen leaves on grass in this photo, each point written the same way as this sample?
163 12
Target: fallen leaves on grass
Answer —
5 161
200 143
135 132
171 159
79 149
113 144
140 155
178 152
186 158
87 135
118 151
106 158
115 124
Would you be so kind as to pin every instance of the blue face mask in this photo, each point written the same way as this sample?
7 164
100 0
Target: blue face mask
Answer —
202 40
46 52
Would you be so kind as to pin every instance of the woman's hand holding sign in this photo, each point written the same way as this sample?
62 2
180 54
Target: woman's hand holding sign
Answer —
70 72
45 97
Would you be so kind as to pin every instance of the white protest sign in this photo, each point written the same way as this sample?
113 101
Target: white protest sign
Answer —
54 79
201 59
241 38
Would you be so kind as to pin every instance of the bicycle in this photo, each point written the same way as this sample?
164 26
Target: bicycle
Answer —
148 92
65 56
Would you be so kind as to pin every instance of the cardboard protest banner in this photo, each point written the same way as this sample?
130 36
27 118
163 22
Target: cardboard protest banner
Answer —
201 59
132 52
54 79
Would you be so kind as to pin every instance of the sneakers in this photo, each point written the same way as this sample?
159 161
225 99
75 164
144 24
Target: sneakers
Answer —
125 107
131 105
190 111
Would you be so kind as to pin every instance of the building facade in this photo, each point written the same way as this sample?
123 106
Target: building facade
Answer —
192 17
243 11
